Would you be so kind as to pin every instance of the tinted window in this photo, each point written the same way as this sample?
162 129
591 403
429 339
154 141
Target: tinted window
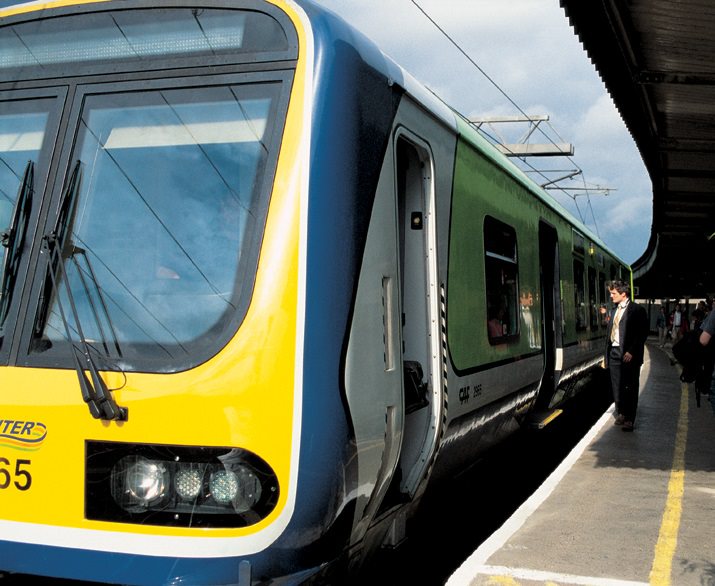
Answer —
579 295
501 278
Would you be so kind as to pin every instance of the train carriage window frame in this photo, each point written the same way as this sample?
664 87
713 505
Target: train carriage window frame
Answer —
579 280
579 243
501 280
194 36
29 121
593 309
603 296
581 319
155 351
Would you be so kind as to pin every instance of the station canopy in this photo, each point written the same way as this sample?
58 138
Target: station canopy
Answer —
657 60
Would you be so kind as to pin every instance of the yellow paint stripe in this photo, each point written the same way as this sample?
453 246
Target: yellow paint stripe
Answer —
503 581
668 537
23 447
554 414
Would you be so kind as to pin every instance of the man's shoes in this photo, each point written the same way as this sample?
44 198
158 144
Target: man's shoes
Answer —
620 420
627 426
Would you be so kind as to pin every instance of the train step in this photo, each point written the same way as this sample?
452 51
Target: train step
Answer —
540 419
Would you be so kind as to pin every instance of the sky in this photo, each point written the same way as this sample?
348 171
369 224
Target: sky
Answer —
531 62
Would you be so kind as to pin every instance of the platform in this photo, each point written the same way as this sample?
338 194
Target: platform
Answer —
623 509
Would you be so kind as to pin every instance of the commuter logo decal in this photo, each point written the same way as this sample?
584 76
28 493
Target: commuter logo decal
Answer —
22 435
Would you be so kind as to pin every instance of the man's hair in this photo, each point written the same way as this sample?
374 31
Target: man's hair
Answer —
620 286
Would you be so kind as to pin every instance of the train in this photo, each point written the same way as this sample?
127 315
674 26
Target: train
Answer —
261 290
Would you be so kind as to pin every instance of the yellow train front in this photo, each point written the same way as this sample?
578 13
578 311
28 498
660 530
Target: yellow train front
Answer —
249 276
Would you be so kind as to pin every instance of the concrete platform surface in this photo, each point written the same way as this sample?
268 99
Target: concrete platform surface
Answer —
624 509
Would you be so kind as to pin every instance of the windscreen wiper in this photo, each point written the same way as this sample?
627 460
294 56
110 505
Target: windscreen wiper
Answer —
95 393
88 270
13 238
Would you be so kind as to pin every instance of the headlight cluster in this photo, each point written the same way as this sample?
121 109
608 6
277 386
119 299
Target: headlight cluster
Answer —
177 485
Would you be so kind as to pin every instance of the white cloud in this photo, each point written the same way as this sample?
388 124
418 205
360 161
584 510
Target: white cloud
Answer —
528 48
600 122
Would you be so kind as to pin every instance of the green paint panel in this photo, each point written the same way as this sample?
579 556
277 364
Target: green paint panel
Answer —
487 184
482 188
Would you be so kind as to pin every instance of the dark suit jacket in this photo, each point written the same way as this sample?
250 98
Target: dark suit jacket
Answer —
633 331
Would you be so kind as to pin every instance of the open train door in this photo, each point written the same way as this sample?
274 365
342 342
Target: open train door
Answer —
552 332
419 308
404 375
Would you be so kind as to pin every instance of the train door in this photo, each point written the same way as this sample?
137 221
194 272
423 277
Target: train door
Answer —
551 312
394 383
418 298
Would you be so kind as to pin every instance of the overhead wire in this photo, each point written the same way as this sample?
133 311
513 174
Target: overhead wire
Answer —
521 111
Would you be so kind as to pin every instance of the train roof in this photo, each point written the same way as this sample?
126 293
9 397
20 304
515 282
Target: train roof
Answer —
437 107
472 135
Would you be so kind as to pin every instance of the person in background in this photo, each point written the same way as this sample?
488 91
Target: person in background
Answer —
624 355
704 379
526 302
676 324
699 314
660 324
495 324
684 321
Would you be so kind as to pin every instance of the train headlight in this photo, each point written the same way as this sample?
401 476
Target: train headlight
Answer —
177 485
223 486
239 486
145 481
188 483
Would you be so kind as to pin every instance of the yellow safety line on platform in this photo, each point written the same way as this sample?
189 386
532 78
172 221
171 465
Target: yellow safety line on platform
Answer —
668 537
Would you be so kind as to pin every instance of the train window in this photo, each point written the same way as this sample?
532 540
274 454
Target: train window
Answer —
166 219
501 280
579 295
24 128
139 35
579 243
592 299
21 134
603 292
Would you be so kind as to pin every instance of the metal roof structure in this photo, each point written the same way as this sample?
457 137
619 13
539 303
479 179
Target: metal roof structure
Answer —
657 60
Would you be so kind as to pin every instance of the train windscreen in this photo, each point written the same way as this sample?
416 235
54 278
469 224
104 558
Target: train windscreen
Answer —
160 222
23 131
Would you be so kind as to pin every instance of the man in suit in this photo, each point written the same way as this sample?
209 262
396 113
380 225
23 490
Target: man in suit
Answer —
627 334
